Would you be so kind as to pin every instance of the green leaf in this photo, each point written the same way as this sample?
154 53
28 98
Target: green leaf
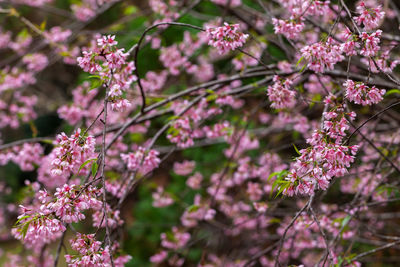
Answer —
95 166
279 174
129 10
211 97
282 188
24 33
85 163
299 61
22 218
302 68
96 83
174 117
315 98
42 26
24 229
64 53
193 208
170 236
47 141
275 220
33 129
392 91
346 220
297 151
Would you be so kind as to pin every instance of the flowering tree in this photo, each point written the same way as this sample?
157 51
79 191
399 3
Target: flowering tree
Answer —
199 133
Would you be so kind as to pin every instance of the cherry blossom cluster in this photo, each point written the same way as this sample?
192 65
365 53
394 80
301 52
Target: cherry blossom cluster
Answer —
304 230
298 9
36 228
184 168
80 108
19 110
322 55
361 94
91 253
167 9
141 160
185 129
71 201
45 222
197 212
224 187
113 219
177 58
291 28
227 37
71 152
15 78
280 94
175 239
369 17
324 159
368 42
161 199
110 64
242 60
371 42
182 133
231 3
383 62
86 9
35 62
27 156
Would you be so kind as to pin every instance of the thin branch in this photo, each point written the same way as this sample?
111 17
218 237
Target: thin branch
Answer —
375 250
135 57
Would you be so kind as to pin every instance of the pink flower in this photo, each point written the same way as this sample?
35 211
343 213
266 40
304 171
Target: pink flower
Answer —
57 34
37 228
113 218
141 160
28 156
370 17
172 58
232 3
82 12
351 43
71 152
159 257
161 199
194 181
110 65
120 105
91 253
71 201
322 56
108 40
324 159
226 38
35 62
72 114
280 94
182 133
291 29
371 42
184 168
175 240
154 81
254 191
361 94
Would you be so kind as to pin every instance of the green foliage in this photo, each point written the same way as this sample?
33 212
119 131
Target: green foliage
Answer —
280 183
